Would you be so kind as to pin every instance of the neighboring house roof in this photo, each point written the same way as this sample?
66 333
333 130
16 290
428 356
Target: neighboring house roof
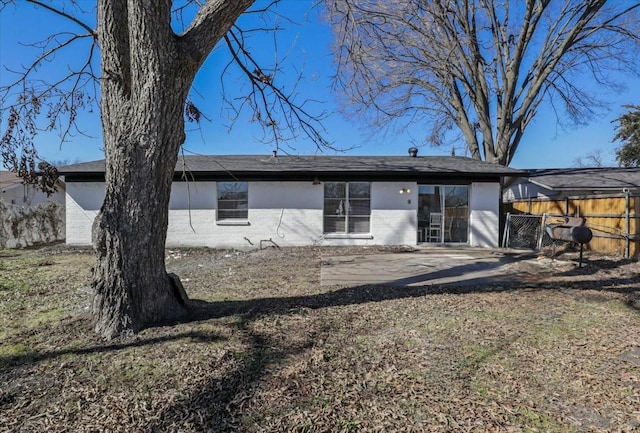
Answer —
14 191
293 167
601 178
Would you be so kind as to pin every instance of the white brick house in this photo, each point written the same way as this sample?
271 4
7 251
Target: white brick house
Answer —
239 201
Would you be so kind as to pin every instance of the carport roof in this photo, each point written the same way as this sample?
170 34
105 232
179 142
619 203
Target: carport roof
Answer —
283 166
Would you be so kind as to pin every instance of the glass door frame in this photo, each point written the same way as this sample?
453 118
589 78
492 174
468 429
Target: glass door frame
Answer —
453 227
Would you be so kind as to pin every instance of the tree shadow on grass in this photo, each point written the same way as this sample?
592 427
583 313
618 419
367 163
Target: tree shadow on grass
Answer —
593 266
410 287
23 359
213 406
422 285
202 310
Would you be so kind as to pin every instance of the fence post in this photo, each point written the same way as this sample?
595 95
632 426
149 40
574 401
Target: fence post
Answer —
543 221
627 228
505 234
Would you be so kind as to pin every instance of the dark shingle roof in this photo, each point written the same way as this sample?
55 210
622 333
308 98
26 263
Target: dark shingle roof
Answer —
602 178
281 166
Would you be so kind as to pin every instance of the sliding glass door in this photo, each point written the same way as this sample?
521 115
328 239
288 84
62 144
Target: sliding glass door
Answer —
443 213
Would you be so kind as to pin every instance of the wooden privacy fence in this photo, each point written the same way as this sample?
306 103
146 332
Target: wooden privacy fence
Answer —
614 219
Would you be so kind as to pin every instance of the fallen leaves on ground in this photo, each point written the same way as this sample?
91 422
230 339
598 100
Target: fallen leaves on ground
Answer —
271 350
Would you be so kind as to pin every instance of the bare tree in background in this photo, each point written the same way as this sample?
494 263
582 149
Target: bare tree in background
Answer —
591 159
142 85
483 67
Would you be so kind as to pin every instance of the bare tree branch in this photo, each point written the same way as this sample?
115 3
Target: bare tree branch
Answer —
485 66
64 14
36 101
269 102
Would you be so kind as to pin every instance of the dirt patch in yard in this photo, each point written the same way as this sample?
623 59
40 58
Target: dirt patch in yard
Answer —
555 348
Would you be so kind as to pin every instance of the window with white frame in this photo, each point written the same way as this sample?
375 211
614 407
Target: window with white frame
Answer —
233 200
347 207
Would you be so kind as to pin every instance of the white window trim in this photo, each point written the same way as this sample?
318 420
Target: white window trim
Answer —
347 234
231 221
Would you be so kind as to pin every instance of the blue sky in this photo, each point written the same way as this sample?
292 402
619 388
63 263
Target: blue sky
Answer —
306 43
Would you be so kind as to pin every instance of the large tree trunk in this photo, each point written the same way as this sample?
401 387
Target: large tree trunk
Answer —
132 287
147 72
144 89
141 141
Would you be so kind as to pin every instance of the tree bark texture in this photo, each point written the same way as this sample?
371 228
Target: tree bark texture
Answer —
147 71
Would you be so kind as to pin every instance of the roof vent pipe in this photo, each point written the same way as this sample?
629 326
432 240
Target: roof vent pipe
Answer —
413 152
275 153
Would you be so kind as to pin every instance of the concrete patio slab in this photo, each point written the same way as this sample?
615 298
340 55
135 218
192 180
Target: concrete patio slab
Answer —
422 267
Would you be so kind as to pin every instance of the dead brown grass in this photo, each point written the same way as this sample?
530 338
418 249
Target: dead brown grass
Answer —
270 350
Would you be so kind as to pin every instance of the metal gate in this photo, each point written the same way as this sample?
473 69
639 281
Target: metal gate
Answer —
523 231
